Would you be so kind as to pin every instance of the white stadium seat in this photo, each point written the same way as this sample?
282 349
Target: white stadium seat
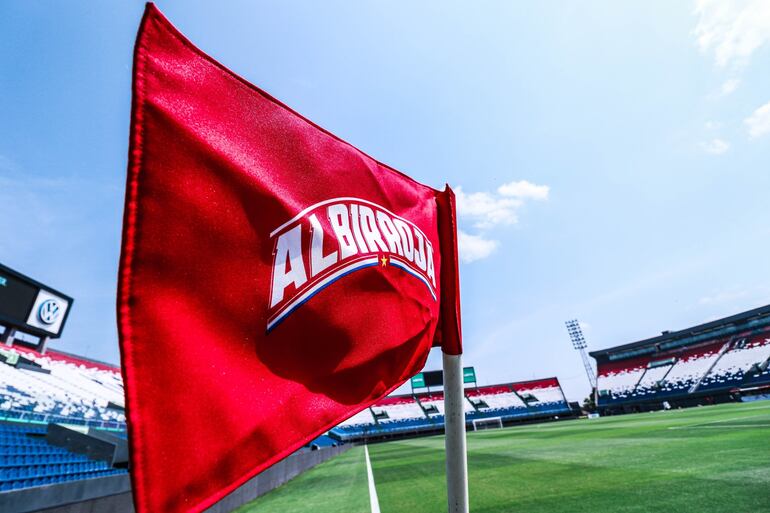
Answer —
72 389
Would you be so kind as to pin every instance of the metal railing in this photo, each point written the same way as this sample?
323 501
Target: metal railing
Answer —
34 417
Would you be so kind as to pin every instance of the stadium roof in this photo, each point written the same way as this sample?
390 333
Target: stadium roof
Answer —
712 327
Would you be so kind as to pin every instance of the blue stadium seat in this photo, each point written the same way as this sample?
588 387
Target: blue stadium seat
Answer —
27 460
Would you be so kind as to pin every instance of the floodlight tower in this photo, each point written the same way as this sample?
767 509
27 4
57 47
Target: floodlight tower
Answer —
579 343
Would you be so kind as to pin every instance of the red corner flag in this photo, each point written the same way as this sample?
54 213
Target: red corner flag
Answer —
274 280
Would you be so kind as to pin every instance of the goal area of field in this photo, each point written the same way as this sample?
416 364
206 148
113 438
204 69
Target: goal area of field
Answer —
489 423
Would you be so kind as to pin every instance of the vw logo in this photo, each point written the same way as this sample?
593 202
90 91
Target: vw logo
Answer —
49 311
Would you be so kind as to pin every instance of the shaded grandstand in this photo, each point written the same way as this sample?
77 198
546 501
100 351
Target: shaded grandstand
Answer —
39 390
719 361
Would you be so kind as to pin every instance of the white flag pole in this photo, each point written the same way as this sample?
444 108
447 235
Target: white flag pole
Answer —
454 425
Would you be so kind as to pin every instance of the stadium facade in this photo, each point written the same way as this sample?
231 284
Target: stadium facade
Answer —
718 361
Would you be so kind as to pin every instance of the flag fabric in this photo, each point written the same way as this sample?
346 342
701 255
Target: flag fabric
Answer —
274 280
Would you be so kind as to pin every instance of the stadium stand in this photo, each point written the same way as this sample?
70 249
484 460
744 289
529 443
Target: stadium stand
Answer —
542 394
409 415
57 387
38 391
744 363
708 363
397 408
27 459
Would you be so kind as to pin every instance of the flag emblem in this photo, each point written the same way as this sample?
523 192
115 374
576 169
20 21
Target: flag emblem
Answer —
333 238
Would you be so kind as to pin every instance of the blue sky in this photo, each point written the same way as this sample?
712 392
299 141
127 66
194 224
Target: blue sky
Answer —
612 158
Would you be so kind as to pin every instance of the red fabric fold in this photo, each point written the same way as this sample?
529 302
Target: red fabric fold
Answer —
267 290
450 326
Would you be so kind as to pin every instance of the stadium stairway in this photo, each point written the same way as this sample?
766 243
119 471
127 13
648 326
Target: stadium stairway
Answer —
641 378
419 403
713 365
474 405
515 392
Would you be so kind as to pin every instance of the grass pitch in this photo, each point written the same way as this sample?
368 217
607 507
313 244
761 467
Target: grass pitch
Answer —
708 459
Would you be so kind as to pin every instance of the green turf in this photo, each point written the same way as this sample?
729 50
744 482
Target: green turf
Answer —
338 485
709 459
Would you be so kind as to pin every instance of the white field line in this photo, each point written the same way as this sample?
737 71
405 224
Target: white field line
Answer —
709 424
373 501
731 426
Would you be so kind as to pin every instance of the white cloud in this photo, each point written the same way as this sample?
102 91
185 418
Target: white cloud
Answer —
732 29
474 247
758 123
489 209
715 146
486 210
729 86
713 125
524 190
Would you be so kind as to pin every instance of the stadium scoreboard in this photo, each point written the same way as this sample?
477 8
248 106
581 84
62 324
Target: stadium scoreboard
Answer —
430 379
30 306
